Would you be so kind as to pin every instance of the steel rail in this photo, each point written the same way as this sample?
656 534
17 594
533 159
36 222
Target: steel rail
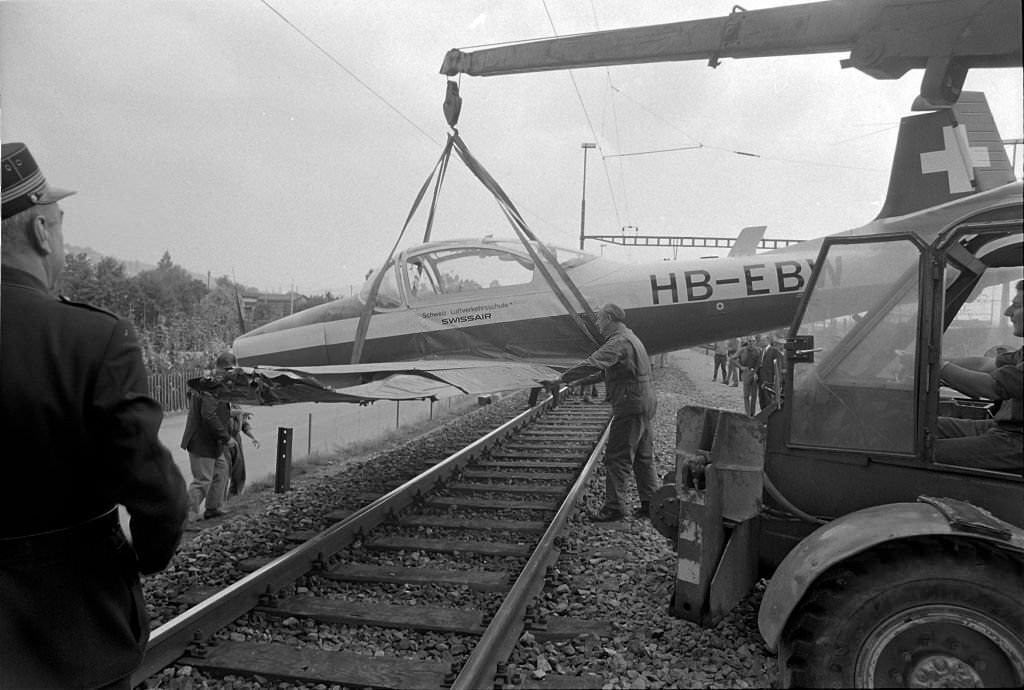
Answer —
171 640
499 639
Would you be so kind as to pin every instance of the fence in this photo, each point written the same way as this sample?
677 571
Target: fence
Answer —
169 389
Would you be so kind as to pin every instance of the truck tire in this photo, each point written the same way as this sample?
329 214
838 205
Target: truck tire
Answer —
915 613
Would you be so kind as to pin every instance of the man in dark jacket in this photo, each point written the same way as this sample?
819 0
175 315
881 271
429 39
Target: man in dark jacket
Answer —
81 439
748 358
208 440
623 362
769 372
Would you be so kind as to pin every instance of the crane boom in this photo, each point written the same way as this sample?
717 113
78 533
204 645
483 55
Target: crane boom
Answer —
886 38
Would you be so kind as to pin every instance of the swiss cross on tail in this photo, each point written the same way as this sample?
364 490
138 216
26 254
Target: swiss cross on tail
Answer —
946 155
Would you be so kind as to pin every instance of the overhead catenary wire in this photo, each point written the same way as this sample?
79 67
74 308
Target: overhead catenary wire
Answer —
350 73
586 114
725 149
618 133
373 91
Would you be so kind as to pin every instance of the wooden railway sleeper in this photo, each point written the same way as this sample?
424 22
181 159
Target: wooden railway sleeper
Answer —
200 648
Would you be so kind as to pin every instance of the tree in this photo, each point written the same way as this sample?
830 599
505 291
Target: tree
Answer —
78 280
115 291
168 291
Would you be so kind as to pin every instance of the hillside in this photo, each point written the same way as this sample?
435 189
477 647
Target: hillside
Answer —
131 266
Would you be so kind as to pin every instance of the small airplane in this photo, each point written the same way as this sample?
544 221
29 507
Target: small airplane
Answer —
483 315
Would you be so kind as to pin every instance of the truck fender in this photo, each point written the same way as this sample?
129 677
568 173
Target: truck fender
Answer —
859 531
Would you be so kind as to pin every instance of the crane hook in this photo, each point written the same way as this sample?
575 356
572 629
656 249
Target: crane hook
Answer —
452 103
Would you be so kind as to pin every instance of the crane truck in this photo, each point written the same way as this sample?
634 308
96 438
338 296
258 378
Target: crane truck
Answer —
884 566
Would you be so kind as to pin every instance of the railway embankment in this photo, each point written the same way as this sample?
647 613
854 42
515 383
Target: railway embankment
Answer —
616 576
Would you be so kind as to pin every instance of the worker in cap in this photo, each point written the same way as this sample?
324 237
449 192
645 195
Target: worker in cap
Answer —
82 438
624 365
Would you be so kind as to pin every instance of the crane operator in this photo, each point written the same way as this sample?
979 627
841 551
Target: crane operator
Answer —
996 443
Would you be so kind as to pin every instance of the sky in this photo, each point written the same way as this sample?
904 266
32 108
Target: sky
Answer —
217 132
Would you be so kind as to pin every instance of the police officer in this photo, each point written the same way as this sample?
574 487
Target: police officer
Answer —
81 438
623 362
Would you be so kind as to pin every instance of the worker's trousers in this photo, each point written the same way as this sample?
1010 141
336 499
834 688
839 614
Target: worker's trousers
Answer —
209 481
630 445
980 443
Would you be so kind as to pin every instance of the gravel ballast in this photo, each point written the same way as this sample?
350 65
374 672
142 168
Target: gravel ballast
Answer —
617 574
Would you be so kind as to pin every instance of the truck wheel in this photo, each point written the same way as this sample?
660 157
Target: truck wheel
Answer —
921 613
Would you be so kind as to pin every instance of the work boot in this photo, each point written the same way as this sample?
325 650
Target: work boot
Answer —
607 514
214 513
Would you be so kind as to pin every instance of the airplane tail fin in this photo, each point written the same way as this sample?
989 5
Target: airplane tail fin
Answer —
746 242
945 155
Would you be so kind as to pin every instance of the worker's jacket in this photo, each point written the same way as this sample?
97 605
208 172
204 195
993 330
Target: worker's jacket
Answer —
627 372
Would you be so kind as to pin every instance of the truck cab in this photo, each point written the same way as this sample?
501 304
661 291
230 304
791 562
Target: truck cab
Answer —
884 565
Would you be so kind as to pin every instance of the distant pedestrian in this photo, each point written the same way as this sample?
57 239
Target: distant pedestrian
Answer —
81 438
240 424
769 372
721 362
732 347
207 438
747 360
623 362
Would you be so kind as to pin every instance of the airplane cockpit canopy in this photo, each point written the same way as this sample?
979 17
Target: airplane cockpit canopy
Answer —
447 268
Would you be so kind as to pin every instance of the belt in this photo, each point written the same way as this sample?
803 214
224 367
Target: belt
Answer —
60 540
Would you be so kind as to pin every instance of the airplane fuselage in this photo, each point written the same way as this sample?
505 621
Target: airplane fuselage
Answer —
670 305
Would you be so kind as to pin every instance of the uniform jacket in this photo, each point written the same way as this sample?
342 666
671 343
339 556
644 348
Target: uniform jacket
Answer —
627 372
81 437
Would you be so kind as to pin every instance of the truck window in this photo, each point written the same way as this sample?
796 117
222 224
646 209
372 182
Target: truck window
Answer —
859 392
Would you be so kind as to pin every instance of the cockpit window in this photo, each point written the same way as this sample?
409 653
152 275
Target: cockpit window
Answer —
569 258
387 292
451 271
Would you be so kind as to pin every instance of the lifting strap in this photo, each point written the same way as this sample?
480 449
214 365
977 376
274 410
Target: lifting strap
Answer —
440 167
522 230
540 254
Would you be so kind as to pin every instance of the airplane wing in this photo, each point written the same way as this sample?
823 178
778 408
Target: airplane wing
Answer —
412 380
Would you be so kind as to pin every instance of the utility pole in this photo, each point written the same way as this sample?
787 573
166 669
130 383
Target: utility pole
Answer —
586 146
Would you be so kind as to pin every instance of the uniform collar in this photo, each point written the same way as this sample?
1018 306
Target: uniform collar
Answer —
20 278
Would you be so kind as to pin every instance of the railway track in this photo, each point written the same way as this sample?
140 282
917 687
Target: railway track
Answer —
489 516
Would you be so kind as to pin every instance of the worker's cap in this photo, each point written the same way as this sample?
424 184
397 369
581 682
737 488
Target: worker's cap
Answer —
23 183
613 312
